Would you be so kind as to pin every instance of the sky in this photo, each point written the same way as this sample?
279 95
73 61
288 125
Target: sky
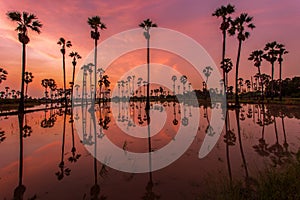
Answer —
274 20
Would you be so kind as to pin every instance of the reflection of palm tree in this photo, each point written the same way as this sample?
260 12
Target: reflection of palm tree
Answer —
63 43
175 121
238 26
74 156
223 12
25 21
147 25
63 171
20 189
96 24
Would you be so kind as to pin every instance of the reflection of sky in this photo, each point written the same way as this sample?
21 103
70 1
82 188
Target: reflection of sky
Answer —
42 154
274 20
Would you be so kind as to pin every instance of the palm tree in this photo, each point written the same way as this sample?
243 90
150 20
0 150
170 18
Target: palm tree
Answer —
28 79
147 25
207 72
25 21
183 80
63 43
3 75
77 87
271 57
174 78
256 56
75 56
52 85
223 12
6 91
281 51
96 24
45 84
238 26
240 83
101 71
248 84
226 65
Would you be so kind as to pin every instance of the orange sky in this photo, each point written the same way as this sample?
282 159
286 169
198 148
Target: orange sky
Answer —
274 20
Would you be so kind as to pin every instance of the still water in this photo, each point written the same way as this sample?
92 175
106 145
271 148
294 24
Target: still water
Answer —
54 157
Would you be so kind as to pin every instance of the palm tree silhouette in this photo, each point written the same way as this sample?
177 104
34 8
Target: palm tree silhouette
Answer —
281 51
25 21
183 80
77 87
207 72
174 78
28 79
240 83
147 25
45 84
257 56
63 43
226 65
101 72
238 26
223 12
271 57
96 24
3 75
75 56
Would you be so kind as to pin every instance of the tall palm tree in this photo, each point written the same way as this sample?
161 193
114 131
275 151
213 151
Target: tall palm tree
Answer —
183 80
147 25
25 21
3 75
281 51
257 56
28 79
226 65
77 87
223 12
45 84
96 24
271 57
75 56
238 27
63 43
174 78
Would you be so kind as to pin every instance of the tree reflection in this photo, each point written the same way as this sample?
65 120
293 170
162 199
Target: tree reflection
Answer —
62 168
75 156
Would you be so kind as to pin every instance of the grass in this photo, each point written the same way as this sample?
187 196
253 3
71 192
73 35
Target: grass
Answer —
271 184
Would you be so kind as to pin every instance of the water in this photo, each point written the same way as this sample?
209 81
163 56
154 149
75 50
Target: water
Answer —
58 164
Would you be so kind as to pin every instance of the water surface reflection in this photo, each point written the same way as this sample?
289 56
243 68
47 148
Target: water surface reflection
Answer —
45 155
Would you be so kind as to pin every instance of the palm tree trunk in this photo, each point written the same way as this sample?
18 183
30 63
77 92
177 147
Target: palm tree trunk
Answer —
223 58
64 74
237 73
272 85
73 77
148 75
262 86
21 103
280 83
26 89
95 71
63 139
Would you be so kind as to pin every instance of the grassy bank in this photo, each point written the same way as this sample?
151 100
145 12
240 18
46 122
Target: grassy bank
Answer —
271 184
